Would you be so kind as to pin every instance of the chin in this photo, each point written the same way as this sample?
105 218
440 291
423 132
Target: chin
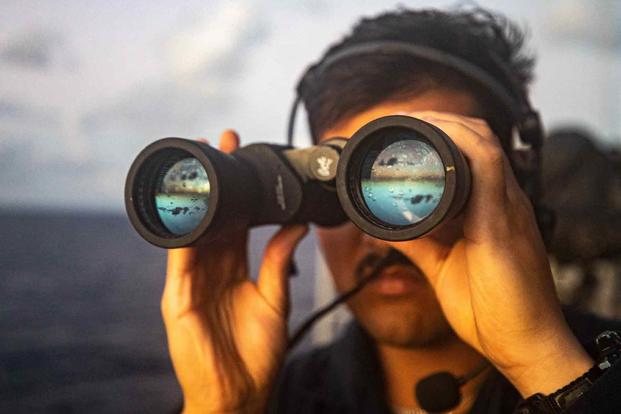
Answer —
403 322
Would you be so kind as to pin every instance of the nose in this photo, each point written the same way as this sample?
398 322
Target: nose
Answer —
377 245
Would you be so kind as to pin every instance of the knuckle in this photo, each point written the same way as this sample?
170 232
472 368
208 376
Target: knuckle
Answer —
481 127
278 247
479 122
489 135
493 153
274 257
274 251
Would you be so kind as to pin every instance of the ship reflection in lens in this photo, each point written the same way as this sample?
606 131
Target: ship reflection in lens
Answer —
182 199
402 183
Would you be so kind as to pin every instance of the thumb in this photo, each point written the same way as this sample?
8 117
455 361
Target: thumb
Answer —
273 280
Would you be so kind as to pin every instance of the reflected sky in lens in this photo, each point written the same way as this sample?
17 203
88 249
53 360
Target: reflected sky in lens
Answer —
403 183
183 197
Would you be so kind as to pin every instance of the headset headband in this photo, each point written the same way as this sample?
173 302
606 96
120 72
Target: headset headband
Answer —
512 96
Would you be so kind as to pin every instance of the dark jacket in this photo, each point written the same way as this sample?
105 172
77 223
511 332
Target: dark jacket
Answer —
345 377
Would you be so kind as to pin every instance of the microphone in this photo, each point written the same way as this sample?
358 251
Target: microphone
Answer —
440 392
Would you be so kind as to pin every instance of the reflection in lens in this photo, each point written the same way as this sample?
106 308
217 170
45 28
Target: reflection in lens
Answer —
183 196
403 182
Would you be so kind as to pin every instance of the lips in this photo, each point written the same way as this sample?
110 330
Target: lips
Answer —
390 274
397 280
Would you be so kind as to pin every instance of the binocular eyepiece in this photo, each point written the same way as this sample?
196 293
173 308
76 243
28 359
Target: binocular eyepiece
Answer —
397 178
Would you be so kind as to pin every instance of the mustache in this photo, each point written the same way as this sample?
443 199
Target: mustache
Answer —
372 264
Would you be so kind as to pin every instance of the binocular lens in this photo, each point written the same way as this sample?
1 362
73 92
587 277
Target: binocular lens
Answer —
400 177
402 182
182 197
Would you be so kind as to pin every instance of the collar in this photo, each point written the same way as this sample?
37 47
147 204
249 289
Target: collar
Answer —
358 372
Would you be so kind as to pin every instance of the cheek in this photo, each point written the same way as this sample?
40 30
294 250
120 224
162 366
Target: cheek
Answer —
341 248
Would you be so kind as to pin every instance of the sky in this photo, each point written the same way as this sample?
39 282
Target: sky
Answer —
84 85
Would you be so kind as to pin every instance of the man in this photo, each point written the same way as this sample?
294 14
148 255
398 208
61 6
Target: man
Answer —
477 289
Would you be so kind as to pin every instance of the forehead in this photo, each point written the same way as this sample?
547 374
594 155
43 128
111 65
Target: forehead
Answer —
440 100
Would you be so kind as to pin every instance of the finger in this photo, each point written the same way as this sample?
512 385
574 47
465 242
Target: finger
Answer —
177 293
181 260
513 192
203 140
201 274
482 128
487 164
273 280
492 181
229 141
478 126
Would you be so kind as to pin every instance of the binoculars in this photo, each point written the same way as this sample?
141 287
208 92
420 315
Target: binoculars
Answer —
397 178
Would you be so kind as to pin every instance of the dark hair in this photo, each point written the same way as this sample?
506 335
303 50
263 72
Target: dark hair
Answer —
474 34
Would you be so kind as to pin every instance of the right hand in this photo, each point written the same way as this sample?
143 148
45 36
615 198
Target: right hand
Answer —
227 335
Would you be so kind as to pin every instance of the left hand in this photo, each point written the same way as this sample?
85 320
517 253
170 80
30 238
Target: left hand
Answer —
494 283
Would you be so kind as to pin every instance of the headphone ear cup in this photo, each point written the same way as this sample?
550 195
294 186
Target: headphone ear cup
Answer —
525 164
546 220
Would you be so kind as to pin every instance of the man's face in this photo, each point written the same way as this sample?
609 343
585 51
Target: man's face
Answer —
398 308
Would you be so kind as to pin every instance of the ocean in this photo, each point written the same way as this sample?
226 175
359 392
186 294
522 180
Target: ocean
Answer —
402 202
80 324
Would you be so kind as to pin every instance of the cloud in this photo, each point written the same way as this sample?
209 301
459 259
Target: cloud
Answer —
206 62
19 113
37 48
171 107
578 21
215 43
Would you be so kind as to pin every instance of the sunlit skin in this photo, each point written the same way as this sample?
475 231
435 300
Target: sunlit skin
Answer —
484 289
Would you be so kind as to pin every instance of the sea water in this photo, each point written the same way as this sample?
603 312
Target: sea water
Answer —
402 202
181 212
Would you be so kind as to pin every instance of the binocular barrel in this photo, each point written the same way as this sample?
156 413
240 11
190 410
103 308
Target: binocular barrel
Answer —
397 178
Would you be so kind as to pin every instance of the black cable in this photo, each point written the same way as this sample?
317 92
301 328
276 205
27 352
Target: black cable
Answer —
291 122
474 373
320 313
